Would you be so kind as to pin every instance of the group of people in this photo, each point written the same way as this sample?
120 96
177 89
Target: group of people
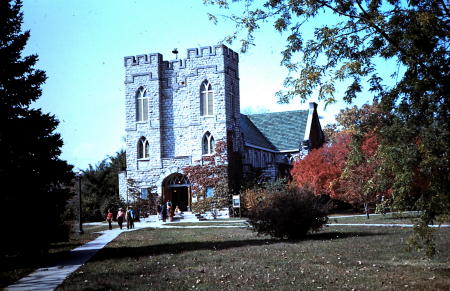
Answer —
166 210
122 216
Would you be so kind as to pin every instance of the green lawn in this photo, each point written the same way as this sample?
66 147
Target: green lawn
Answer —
338 258
390 218
208 223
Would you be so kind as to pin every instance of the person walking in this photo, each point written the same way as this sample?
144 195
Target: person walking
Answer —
170 210
120 217
109 218
130 217
158 211
164 212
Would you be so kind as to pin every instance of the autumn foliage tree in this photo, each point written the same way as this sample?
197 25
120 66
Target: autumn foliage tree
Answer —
360 181
321 168
347 168
351 44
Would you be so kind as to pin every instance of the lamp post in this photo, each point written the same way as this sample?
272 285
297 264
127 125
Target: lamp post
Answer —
80 231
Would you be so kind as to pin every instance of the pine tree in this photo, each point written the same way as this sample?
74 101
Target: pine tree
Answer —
32 177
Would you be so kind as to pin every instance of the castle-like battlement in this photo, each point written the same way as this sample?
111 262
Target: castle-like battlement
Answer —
153 58
205 51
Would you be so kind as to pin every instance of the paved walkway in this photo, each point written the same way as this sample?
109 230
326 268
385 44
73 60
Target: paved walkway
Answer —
51 277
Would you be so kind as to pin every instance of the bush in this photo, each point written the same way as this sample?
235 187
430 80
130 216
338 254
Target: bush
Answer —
255 195
289 214
252 197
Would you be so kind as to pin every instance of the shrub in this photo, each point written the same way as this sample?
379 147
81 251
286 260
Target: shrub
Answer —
255 195
289 214
252 197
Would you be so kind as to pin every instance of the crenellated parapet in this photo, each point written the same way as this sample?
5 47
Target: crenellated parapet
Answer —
212 51
150 59
191 53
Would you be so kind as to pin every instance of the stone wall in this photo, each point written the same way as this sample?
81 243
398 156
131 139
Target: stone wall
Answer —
175 127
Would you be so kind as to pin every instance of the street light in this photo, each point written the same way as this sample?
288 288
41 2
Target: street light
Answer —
80 231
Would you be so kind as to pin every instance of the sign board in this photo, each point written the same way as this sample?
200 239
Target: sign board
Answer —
236 201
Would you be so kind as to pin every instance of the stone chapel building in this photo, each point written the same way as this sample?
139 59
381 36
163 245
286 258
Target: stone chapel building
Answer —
176 110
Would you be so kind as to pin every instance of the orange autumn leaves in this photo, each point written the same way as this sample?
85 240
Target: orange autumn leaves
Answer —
328 170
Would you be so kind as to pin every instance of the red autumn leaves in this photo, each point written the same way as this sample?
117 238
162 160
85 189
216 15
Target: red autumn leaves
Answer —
328 170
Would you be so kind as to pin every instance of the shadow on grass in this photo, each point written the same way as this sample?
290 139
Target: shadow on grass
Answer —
65 246
341 235
33 261
401 217
176 248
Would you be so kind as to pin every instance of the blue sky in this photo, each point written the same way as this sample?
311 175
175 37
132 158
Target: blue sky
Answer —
81 45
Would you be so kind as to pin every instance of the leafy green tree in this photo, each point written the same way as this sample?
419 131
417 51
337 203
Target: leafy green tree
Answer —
32 177
100 187
352 40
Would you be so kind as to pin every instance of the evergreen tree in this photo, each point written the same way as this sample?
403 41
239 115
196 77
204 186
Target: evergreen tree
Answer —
32 177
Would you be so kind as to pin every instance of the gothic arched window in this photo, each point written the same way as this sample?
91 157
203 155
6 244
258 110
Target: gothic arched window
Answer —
143 148
208 144
206 99
141 104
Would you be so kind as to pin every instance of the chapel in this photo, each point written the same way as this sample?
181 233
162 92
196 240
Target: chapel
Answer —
177 110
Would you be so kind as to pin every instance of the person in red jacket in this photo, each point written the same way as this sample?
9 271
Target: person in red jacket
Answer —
109 218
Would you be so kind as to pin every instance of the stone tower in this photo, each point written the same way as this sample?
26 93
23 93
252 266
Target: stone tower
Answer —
175 111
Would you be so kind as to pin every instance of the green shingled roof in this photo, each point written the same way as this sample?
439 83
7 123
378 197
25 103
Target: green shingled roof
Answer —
278 131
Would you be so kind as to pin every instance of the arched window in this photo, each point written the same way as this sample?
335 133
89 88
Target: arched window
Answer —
208 144
206 99
143 149
141 105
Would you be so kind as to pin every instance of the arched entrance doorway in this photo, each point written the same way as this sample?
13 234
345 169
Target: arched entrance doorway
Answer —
177 188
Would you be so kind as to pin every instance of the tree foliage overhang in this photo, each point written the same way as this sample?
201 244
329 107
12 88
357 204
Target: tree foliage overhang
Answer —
360 36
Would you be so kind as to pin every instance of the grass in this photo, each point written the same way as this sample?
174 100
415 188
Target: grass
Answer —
338 258
12 269
208 223
390 218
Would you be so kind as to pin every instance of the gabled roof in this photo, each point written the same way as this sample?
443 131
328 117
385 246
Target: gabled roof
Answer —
279 131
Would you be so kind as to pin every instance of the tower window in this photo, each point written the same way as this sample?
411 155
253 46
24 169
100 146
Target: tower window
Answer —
141 105
143 148
208 144
206 99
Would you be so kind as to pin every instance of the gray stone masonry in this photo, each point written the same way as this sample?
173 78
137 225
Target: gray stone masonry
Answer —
175 127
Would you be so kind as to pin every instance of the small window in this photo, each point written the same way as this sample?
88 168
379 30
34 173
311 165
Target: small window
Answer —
208 144
144 193
143 149
206 99
209 192
141 105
